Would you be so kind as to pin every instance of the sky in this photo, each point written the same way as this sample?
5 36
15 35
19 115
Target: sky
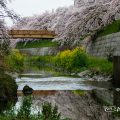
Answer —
32 7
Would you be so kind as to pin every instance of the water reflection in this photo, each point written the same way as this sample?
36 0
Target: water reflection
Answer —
40 92
76 98
78 105
109 97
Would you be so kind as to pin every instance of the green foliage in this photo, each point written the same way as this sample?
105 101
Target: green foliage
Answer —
100 65
39 60
49 112
8 85
8 90
116 114
79 92
25 109
71 60
15 60
68 61
36 44
109 29
77 60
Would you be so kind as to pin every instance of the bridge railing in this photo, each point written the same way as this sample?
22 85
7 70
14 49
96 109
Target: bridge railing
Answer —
31 34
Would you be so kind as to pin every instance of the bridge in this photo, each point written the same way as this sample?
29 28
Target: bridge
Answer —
14 34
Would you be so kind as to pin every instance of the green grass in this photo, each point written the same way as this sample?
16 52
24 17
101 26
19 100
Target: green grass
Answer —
79 92
36 44
15 61
109 29
100 65
41 60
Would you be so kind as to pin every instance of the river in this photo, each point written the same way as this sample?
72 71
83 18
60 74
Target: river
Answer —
76 98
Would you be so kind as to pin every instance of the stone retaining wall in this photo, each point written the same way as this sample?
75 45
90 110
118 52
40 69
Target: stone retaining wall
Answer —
104 45
40 51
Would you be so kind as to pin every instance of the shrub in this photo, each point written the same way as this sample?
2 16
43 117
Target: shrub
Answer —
39 60
63 61
71 60
15 60
48 112
79 57
25 109
8 91
77 60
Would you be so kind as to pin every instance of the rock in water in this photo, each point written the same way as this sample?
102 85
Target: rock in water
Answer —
27 90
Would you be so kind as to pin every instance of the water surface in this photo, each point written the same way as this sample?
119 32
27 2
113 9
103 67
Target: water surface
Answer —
76 98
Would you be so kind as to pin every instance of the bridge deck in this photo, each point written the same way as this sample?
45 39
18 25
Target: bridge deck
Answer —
31 34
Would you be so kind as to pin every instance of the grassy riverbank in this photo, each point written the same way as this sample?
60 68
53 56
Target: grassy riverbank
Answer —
66 62
77 60
73 61
36 44
15 61
109 29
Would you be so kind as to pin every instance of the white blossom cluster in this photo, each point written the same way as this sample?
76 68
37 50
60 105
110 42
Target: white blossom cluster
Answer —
84 3
84 18
4 38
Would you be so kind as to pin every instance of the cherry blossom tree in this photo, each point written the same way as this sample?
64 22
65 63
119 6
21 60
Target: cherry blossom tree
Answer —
84 18
4 37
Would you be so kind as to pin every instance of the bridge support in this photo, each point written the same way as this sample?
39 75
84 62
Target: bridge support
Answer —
116 68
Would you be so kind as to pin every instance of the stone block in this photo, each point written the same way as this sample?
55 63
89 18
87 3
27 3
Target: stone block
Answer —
102 43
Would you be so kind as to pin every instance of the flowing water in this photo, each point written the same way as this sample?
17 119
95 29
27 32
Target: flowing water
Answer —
44 80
